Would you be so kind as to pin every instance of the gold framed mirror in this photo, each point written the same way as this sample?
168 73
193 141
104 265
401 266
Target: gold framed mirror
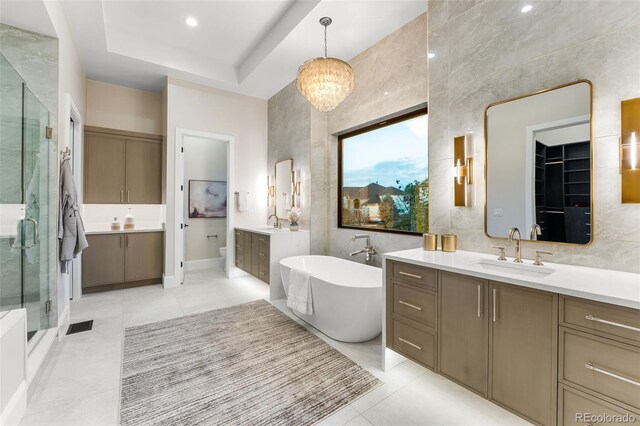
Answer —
539 165
283 193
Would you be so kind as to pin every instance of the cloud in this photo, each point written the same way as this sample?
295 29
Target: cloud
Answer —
419 126
406 170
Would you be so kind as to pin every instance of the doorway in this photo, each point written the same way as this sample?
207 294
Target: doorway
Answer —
203 201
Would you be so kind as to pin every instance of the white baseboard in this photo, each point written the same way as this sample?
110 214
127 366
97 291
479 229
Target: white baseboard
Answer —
200 264
169 281
16 407
63 322
37 356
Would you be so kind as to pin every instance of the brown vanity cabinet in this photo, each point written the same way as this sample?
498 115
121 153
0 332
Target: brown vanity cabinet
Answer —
252 254
103 261
464 330
122 167
523 337
545 357
114 261
412 303
599 360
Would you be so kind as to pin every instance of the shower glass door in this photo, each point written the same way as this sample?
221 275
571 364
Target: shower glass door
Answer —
27 202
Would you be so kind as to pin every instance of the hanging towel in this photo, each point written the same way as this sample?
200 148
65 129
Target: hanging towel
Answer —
70 227
243 201
299 295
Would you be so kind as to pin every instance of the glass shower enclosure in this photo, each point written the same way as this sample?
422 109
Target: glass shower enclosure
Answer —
28 203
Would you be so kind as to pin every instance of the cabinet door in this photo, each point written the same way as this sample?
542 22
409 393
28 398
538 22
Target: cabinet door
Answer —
143 256
523 351
239 246
104 169
143 171
464 330
255 255
103 260
248 253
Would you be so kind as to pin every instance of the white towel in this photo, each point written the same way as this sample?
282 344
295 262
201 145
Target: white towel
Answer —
299 294
243 201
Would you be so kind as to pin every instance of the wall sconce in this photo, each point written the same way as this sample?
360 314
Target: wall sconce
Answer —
463 170
295 182
271 191
630 151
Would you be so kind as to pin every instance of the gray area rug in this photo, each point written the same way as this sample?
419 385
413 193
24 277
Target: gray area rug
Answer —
249 364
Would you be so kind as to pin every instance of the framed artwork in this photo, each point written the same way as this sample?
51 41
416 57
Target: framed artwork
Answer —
207 199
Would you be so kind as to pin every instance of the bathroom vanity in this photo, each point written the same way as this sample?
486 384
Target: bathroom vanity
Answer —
258 252
122 259
544 342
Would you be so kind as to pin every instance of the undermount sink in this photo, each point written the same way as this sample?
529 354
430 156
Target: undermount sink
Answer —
509 267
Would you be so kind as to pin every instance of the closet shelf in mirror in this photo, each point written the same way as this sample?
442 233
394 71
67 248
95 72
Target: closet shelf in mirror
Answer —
577 170
576 159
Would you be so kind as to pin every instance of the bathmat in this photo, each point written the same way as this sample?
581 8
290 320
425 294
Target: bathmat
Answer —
248 364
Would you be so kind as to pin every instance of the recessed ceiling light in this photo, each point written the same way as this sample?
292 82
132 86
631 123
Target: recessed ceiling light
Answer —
386 93
431 55
526 9
191 21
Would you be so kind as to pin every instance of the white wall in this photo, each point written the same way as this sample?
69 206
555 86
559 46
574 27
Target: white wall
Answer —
123 108
72 81
204 159
564 135
194 107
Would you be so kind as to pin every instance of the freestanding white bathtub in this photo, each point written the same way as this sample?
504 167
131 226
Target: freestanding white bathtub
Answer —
347 296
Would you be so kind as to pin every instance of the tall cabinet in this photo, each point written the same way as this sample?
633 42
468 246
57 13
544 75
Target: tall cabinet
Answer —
122 167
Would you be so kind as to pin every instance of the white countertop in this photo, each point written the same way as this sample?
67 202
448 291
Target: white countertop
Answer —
270 230
603 285
93 229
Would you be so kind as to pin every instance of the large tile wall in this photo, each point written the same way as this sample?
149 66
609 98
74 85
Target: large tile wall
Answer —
510 54
485 51
390 76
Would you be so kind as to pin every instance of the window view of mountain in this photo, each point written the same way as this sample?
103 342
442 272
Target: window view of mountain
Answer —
385 184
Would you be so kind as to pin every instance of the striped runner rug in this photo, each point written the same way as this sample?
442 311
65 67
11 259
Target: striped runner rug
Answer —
248 364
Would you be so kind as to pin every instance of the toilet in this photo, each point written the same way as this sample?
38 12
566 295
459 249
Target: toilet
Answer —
223 254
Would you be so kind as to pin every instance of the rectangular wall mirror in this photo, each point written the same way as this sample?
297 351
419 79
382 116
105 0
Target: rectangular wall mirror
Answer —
283 188
539 165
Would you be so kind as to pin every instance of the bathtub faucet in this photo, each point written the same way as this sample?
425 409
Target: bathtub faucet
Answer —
368 249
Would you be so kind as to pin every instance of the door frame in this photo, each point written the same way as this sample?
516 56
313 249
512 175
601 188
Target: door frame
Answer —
180 187
77 151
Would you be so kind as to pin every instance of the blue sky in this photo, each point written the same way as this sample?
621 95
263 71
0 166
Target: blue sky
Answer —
394 152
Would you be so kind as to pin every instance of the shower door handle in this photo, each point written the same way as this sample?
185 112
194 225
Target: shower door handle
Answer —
35 234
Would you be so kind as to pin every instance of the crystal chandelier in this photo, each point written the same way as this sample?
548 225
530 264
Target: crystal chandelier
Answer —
325 82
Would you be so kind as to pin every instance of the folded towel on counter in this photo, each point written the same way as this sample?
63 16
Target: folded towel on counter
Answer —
299 295
243 201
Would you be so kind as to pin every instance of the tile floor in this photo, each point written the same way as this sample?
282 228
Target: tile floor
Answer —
80 383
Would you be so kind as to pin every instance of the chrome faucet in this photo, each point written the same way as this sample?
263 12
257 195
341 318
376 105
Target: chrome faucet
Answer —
535 231
277 223
368 249
512 233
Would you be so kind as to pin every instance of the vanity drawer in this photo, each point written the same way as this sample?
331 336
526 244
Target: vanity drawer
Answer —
264 270
416 305
607 367
613 321
416 344
263 244
579 408
424 277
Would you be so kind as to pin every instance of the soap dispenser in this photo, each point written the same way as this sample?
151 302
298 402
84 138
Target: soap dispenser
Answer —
115 225
129 221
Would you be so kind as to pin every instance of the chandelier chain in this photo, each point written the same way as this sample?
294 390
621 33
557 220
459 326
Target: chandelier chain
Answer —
325 41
